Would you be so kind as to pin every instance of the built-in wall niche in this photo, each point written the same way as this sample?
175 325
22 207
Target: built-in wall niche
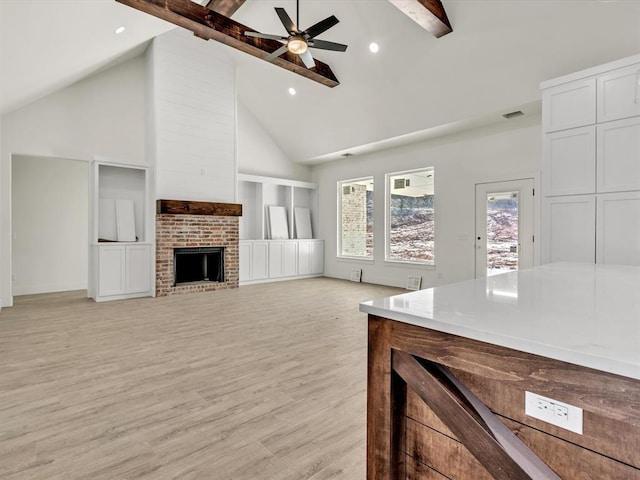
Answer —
120 253
295 251
120 204
259 194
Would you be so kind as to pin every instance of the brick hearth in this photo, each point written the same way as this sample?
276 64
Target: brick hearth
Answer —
179 231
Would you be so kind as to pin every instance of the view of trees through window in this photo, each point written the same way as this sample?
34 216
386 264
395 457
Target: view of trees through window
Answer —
411 216
356 217
502 232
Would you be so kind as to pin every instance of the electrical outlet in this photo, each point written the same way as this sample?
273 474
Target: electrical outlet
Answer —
554 412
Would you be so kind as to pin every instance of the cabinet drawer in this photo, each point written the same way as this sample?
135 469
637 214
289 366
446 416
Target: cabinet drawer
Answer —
570 105
618 94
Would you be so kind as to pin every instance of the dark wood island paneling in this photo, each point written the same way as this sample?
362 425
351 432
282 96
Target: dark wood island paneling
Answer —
407 439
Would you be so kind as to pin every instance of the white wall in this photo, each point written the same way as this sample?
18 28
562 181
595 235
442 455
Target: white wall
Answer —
500 152
49 215
101 115
258 154
194 124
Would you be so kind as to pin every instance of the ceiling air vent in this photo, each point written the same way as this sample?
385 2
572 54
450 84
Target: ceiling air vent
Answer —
515 114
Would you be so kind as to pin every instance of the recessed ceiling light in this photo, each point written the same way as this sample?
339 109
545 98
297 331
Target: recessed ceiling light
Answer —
292 91
374 47
119 30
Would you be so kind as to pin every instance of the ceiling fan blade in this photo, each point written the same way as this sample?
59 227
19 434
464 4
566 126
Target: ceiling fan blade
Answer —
276 54
286 20
265 35
324 45
307 59
321 26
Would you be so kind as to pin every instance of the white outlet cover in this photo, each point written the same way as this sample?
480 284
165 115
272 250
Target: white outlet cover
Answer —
553 411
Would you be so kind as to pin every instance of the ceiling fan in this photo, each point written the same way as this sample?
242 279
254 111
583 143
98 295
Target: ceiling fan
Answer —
299 41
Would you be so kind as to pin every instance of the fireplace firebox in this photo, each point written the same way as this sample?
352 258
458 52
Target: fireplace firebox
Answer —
201 264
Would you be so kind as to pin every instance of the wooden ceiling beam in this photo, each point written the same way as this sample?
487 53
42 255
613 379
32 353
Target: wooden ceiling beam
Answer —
225 7
429 14
210 25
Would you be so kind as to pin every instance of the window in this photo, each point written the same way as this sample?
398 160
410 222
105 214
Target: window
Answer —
356 218
410 220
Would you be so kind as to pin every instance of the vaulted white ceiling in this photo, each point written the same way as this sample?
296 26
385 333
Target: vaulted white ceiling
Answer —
415 86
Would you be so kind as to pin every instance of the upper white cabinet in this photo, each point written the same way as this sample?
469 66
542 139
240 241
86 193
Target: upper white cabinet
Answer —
618 94
569 105
121 253
591 165
619 155
569 161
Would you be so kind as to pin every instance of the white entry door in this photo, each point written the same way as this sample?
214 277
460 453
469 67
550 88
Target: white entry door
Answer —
504 226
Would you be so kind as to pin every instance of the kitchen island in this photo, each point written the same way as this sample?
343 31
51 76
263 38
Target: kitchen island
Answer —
450 367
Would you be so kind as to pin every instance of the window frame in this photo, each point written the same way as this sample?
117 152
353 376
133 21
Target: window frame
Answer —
387 219
339 253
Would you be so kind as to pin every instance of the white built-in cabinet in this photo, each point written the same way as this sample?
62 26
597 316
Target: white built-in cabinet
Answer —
591 165
263 259
119 269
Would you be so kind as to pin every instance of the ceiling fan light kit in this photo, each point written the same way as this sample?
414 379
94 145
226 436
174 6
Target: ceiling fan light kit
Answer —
297 45
299 41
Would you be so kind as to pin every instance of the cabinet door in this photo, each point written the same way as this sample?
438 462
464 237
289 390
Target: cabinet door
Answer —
619 155
619 228
570 229
317 257
276 253
260 261
569 162
618 94
112 270
570 105
138 258
244 252
290 259
304 258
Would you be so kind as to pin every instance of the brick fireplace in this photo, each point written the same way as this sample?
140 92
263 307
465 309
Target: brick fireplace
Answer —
190 225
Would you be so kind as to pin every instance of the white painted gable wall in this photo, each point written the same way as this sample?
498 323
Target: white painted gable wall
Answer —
107 115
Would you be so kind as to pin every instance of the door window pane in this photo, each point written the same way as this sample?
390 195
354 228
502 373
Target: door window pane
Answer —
502 232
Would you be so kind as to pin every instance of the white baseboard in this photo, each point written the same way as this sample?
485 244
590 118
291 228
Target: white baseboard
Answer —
49 288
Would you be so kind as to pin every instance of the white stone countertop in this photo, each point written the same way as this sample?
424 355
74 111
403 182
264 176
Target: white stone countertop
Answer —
584 314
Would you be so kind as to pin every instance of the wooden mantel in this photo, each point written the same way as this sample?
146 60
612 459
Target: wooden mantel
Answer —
187 207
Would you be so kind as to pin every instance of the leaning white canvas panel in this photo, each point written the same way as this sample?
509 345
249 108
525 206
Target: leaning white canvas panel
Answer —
125 221
302 218
278 224
107 220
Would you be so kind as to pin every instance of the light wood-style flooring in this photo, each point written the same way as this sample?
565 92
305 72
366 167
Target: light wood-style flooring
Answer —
265 382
